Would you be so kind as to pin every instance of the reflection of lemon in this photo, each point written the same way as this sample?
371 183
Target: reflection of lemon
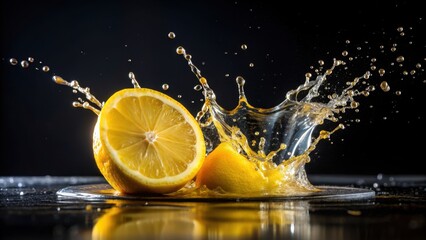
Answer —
145 141
248 220
224 167
230 221
146 223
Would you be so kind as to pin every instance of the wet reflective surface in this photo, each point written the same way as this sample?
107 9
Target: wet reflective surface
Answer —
30 208
105 191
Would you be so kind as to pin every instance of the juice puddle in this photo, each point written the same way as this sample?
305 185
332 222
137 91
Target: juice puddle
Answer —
278 140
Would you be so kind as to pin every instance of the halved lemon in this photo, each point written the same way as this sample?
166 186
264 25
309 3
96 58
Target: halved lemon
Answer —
145 141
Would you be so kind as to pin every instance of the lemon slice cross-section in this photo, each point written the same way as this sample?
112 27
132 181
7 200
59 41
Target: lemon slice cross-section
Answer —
145 141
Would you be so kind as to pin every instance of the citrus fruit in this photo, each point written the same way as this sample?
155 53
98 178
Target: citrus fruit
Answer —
145 141
224 167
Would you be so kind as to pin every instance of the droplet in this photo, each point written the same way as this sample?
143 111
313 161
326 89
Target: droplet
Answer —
198 87
347 41
381 71
74 84
165 86
244 47
308 75
354 104
180 50
30 59
45 68
373 60
345 53
400 59
240 80
371 88
24 64
251 65
400 29
179 96
398 93
367 75
171 35
321 62
132 76
59 80
393 49
13 61
385 86
412 72
418 65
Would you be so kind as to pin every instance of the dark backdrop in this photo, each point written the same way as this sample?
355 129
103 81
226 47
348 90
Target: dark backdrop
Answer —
42 134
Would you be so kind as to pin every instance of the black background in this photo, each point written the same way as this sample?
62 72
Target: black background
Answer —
92 42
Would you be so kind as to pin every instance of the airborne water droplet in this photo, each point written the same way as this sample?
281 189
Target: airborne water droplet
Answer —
24 64
165 86
400 59
46 68
244 47
198 87
131 75
171 35
180 50
385 86
13 61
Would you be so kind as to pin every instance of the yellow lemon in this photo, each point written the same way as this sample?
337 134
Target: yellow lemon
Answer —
224 167
145 141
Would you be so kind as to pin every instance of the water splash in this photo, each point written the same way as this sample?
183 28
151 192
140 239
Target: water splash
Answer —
86 91
281 137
